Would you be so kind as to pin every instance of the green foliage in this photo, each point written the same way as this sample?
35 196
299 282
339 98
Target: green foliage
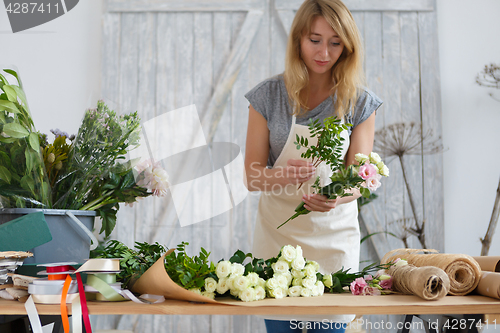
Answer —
255 265
23 182
329 146
133 262
189 272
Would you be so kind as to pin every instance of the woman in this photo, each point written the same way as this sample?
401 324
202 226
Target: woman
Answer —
323 77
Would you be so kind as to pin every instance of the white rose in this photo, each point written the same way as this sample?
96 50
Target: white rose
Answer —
260 293
305 292
262 283
235 292
208 294
384 171
298 251
272 283
298 273
327 280
196 290
314 263
400 262
321 288
237 269
253 279
294 291
222 286
297 282
288 253
240 283
282 280
375 158
361 158
309 282
210 285
279 293
223 269
281 266
247 295
314 291
310 270
298 263
289 278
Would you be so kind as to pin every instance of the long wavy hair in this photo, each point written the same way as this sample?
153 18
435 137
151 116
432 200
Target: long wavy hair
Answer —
347 72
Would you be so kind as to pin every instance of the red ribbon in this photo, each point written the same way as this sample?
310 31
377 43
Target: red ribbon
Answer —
83 303
57 269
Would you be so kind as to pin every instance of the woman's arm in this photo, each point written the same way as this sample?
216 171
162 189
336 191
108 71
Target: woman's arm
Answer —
258 176
361 141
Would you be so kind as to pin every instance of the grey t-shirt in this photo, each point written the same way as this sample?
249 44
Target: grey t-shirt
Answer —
270 99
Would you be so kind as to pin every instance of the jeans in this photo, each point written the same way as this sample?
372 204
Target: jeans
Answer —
285 326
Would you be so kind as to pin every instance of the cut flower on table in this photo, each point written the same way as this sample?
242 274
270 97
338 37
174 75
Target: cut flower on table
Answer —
287 275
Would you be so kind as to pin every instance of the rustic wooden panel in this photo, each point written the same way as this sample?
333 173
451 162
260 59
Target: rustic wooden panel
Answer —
165 55
431 119
370 5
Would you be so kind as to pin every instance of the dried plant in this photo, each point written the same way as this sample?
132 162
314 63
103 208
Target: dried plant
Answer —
402 139
490 78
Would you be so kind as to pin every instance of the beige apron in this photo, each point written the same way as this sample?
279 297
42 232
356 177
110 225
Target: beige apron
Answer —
331 238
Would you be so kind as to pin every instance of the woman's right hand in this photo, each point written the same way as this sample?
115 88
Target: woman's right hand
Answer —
299 171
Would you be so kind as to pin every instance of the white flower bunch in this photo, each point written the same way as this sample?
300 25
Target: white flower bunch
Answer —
231 278
293 275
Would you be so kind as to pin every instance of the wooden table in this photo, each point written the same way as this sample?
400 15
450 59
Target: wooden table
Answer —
325 305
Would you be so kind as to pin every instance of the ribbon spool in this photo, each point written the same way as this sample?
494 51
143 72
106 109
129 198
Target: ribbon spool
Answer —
101 279
57 271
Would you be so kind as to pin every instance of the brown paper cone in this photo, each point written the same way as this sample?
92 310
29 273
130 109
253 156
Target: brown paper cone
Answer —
430 283
489 285
487 263
156 281
463 271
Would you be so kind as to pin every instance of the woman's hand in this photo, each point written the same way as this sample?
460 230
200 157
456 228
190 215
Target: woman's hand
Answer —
299 171
319 203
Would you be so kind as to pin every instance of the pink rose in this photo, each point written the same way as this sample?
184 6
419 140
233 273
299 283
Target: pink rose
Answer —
367 171
373 183
357 286
370 291
386 284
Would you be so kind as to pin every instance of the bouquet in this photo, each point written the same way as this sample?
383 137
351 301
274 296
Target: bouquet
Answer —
365 176
288 274
88 171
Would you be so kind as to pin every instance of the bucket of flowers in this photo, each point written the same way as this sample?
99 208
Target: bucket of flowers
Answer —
74 177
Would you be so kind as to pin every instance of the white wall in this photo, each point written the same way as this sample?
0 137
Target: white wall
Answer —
59 63
60 67
468 39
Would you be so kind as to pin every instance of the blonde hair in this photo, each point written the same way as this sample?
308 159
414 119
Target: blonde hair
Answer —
347 72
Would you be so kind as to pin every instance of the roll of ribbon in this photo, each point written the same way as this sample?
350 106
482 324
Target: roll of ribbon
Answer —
53 299
41 289
98 265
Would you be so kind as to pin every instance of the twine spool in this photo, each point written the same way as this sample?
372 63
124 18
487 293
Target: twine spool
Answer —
462 270
430 283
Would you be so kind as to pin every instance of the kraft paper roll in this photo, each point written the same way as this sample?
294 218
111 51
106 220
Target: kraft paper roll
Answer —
462 270
430 283
156 281
487 263
489 285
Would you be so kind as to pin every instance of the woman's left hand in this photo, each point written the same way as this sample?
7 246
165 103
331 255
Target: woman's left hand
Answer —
319 203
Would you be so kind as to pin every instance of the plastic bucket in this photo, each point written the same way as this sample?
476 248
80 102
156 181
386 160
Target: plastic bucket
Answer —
71 234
